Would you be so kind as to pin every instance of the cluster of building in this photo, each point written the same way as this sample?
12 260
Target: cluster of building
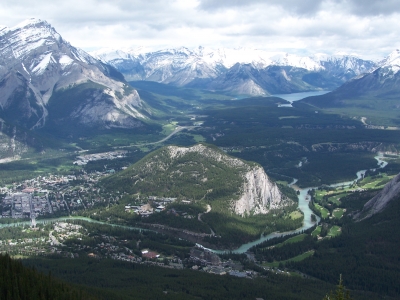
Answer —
24 205
158 204
84 159
50 194
209 262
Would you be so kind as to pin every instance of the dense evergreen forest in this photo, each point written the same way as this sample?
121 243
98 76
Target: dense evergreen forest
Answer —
18 282
121 281
366 253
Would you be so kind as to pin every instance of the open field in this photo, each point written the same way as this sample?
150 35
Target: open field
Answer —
338 213
324 212
336 198
377 181
334 231
297 258
295 215
292 240
316 231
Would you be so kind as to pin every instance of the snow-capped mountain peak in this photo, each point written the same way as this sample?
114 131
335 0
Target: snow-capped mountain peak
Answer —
36 62
31 34
293 60
199 67
392 61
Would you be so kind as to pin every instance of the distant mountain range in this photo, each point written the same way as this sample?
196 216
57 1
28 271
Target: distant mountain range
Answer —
46 82
238 71
376 89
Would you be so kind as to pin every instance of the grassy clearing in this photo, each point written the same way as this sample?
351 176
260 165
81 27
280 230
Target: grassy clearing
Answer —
316 231
338 213
297 258
295 239
295 215
292 240
336 198
198 138
334 231
169 128
324 212
319 194
375 181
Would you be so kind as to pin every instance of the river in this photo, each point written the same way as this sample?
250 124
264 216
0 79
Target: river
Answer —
303 206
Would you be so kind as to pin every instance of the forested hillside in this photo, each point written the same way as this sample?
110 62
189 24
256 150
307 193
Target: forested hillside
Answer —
18 282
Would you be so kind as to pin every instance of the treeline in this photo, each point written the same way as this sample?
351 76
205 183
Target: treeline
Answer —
118 280
10 233
18 282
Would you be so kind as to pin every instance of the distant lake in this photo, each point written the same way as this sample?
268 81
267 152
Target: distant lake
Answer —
298 96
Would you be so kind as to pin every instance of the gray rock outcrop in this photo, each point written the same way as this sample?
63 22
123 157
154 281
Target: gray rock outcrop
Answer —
381 200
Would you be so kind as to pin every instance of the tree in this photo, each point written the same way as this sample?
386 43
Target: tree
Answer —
340 293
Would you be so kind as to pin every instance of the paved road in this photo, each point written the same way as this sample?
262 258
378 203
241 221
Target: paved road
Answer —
177 129
200 214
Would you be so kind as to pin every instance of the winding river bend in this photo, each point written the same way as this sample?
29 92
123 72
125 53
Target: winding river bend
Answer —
302 205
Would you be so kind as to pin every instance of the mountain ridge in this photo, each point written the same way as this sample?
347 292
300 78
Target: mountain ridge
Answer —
36 62
211 69
381 84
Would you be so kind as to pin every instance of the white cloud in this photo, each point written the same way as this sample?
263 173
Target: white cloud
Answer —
302 27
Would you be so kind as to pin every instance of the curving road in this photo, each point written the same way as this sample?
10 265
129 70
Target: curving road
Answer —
199 218
177 129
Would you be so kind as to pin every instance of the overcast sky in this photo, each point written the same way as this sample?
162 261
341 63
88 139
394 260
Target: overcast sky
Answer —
368 28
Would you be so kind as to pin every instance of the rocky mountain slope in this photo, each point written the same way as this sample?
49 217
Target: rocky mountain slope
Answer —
202 173
377 204
381 83
38 68
240 71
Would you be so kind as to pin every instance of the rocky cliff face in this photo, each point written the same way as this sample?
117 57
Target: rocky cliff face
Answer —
35 63
381 200
260 194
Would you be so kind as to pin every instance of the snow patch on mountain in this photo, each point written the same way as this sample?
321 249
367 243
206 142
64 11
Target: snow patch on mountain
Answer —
391 62
65 61
42 65
297 61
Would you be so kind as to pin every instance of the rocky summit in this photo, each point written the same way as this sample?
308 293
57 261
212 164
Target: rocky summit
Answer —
38 67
